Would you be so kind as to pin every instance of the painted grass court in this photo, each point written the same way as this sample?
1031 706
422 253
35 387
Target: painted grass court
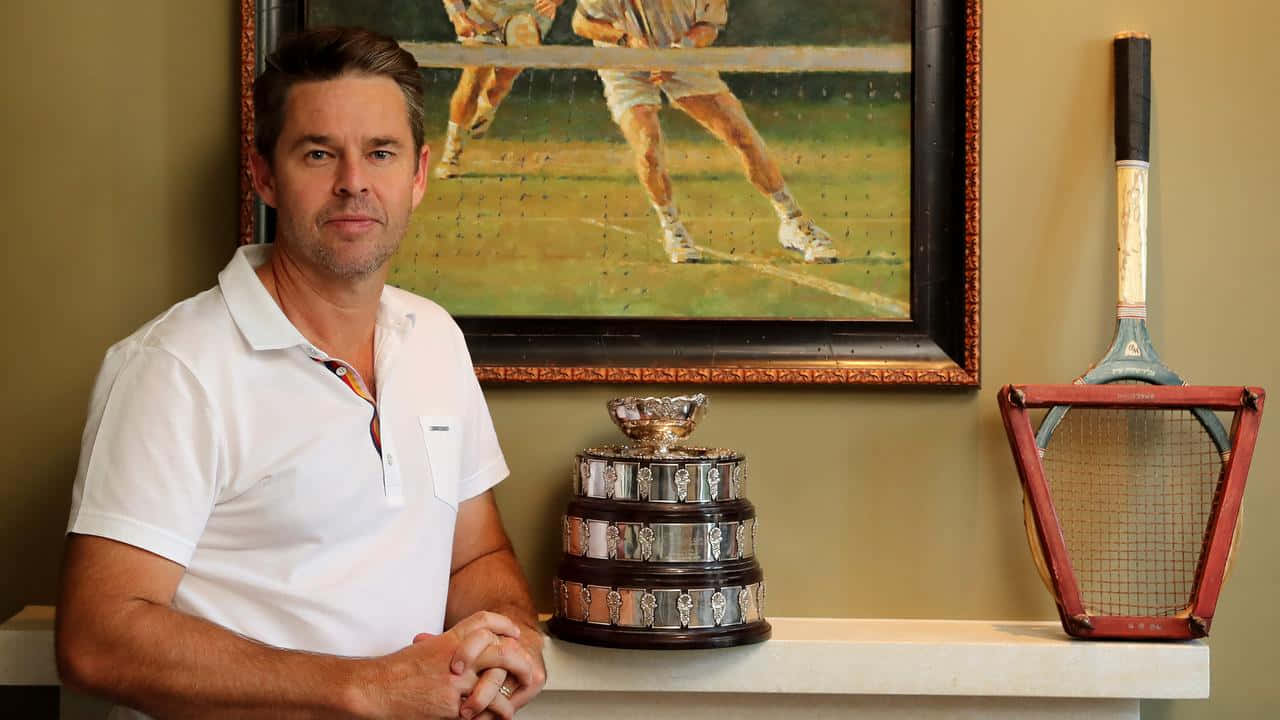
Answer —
550 219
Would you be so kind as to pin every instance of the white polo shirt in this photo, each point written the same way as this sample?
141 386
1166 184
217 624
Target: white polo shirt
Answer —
219 438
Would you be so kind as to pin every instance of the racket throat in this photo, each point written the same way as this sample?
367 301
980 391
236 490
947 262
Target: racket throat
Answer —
1131 357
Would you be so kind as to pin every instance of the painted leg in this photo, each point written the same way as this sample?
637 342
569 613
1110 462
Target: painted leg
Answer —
494 92
723 116
521 31
462 107
643 132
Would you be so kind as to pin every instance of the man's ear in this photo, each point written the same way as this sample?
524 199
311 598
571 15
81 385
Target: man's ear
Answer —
420 177
264 182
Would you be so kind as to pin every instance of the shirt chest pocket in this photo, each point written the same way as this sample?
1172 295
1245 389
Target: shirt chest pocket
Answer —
442 437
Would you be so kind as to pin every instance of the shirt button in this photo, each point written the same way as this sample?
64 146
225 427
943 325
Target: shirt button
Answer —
390 460
340 371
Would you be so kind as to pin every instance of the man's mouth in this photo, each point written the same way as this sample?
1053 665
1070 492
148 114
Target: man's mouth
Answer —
352 222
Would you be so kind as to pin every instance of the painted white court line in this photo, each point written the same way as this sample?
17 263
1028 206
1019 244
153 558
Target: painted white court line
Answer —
878 302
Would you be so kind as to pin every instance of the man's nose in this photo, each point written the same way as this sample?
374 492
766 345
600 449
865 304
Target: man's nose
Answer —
351 179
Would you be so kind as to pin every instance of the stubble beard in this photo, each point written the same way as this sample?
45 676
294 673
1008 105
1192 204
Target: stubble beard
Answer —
307 239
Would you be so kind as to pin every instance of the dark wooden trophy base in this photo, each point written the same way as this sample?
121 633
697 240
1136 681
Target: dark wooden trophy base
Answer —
649 639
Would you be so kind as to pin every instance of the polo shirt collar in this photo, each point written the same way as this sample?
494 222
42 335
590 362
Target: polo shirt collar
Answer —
261 320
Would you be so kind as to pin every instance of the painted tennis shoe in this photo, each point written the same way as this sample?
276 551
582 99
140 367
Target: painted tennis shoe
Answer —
801 235
678 244
447 169
450 165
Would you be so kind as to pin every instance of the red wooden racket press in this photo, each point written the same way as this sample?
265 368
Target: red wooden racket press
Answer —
1133 499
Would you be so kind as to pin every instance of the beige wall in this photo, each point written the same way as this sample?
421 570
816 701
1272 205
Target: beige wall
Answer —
120 138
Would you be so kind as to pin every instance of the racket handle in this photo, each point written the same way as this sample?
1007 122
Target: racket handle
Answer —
1133 96
1133 141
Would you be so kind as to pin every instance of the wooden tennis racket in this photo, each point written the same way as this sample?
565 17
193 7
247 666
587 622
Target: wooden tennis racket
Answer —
1131 490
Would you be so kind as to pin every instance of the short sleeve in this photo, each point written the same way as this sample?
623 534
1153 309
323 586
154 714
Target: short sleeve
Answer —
483 464
149 464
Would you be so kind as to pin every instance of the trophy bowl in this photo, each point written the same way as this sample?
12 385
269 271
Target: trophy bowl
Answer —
657 422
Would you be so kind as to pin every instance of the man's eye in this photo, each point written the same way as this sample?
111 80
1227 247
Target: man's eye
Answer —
317 155
381 154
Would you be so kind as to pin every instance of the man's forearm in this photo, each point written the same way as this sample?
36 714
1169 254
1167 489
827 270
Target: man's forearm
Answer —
491 582
599 30
170 664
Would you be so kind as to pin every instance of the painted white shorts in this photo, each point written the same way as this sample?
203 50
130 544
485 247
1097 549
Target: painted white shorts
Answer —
625 89
500 13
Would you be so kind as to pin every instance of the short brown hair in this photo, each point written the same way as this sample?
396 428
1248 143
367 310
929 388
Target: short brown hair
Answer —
325 54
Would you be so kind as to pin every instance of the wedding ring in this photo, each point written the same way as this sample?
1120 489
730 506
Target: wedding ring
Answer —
506 691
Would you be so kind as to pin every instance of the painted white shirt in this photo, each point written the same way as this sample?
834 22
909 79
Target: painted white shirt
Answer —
662 23
218 438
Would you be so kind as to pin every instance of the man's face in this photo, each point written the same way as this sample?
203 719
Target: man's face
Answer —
344 176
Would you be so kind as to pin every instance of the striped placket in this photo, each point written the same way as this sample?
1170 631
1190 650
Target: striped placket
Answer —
347 376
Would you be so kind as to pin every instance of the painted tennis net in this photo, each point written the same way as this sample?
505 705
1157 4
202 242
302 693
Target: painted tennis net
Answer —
892 58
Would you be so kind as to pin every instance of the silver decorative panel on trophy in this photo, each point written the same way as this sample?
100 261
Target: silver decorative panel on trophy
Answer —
659 539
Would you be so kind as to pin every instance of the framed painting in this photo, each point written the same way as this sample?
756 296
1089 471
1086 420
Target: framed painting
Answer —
687 191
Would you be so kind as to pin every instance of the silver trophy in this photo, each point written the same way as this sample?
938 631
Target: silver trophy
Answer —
663 534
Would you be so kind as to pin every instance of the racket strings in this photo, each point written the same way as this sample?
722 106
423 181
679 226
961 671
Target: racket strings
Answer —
1134 490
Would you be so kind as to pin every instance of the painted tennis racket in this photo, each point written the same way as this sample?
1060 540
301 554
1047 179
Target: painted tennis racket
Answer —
1124 480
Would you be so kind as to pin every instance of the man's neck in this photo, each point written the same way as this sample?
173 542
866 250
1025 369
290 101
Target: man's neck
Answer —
337 316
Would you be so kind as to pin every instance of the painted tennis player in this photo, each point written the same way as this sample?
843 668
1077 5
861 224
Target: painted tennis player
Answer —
513 23
635 97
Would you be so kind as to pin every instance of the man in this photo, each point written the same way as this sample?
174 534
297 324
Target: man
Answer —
515 23
634 99
283 495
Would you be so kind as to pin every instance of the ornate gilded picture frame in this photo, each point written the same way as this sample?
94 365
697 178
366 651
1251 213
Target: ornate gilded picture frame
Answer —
557 260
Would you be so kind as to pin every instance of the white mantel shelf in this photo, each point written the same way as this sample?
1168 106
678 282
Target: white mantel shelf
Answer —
825 668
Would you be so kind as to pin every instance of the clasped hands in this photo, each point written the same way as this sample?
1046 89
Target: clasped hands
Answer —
483 668
506 661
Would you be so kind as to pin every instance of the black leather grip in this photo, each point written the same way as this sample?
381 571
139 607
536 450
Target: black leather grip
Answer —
1133 97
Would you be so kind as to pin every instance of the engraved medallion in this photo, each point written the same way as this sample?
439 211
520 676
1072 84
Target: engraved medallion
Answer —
610 481
741 534
611 538
755 535
648 603
643 478
713 537
713 482
736 487
718 603
564 597
585 471
586 535
685 606
760 599
744 603
586 603
646 543
682 484
564 521
614 601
